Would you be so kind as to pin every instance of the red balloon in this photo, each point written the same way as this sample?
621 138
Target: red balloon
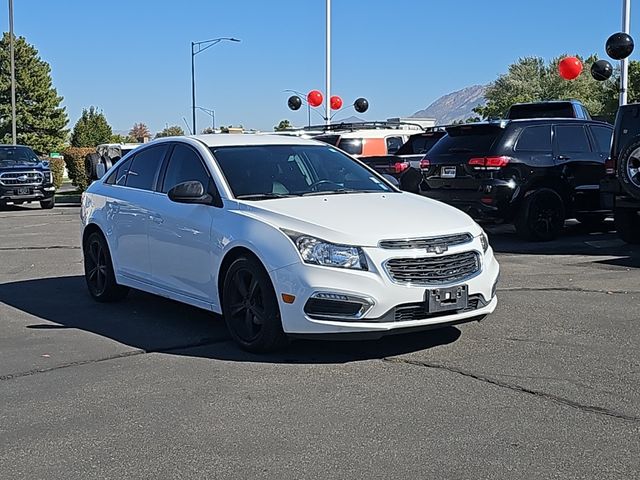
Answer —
569 68
336 102
314 98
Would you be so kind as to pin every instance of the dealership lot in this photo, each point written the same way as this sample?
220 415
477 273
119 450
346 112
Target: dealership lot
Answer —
547 386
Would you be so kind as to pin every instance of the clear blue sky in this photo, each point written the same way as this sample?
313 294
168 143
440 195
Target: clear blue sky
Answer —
131 58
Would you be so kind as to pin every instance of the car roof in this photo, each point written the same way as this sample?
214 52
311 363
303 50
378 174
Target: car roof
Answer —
373 133
243 139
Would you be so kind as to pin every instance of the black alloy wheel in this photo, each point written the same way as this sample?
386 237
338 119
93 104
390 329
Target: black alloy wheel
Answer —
98 270
250 307
541 216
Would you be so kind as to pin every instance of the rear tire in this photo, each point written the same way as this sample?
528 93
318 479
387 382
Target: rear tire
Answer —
250 307
98 271
541 216
48 204
91 161
410 181
627 223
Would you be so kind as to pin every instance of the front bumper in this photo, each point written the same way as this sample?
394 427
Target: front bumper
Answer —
26 193
394 307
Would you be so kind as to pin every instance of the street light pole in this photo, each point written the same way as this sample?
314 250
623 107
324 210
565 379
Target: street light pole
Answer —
212 114
196 48
624 63
13 76
327 99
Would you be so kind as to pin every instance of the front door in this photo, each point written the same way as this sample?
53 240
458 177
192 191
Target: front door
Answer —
180 242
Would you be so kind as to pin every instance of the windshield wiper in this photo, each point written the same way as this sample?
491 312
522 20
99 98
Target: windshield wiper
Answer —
263 196
340 191
459 149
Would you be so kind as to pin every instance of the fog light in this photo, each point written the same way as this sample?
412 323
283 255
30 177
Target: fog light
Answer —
337 306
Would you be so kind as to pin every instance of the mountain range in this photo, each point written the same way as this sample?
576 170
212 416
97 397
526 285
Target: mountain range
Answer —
454 106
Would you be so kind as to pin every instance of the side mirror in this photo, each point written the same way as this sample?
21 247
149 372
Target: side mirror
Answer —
100 170
392 180
190 192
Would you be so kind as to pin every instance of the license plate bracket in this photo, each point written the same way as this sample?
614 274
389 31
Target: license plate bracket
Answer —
448 172
447 299
23 191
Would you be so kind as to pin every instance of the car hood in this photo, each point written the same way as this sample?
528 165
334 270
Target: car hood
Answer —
363 218
24 165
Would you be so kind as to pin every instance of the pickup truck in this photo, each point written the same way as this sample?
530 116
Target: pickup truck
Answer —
24 177
406 164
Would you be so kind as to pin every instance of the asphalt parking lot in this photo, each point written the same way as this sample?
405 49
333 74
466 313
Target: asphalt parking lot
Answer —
547 387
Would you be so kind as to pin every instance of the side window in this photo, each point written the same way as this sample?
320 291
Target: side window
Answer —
393 144
535 139
603 138
121 172
351 145
144 168
572 138
184 165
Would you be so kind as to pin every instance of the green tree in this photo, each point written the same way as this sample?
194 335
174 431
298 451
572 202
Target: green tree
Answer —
91 129
173 131
117 138
139 131
283 125
530 79
208 130
40 119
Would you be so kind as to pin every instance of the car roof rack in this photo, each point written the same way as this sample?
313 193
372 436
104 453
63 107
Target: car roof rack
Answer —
362 126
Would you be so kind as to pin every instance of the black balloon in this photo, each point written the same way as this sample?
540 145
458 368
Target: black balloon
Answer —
361 105
619 46
601 70
294 102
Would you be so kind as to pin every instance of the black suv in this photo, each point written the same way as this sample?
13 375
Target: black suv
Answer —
24 177
620 189
533 172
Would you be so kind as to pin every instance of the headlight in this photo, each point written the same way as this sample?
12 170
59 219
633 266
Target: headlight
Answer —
318 252
484 241
50 176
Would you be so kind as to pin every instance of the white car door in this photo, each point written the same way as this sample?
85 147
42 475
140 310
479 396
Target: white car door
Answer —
129 197
180 238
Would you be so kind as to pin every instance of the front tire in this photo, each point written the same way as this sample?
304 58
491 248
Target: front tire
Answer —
98 271
250 307
627 223
541 216
48 204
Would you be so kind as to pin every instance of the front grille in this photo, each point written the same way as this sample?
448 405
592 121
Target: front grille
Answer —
418 311
436 270
21 178
429 242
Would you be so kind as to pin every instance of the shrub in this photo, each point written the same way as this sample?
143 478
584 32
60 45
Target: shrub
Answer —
57 167
74 159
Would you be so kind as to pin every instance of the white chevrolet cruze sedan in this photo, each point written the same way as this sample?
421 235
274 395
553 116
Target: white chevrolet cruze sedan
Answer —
285 237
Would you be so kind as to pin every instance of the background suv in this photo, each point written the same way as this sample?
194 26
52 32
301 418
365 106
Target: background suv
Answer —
24 177
533 172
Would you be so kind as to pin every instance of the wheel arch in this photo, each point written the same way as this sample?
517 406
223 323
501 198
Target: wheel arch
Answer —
231 256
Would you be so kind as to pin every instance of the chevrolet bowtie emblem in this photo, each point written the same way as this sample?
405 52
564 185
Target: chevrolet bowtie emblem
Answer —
437 249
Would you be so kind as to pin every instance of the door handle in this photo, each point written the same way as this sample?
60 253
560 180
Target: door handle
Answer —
563 157
156 219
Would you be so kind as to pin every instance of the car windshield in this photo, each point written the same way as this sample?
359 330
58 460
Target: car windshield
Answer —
12 156
418 144
273 171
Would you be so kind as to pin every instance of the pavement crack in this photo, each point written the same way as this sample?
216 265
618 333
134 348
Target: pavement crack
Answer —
566 289
51 247
130 353
517 388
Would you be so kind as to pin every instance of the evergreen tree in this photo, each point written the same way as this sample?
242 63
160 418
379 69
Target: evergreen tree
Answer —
173 131
91 129
40 119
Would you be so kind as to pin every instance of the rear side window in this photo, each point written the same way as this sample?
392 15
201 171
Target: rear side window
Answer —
119 176
535 139
393 144
351 145
572 138
603 138
184 166
144 168
474 140
330 139
418 144
541 110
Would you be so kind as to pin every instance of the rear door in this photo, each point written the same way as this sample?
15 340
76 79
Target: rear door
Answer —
454 158
581 165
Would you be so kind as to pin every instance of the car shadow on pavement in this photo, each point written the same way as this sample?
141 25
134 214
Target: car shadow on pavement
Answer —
575 239
155 324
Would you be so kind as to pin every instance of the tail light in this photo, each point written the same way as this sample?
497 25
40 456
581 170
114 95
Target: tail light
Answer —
425 164
609 166
400 167
489 163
